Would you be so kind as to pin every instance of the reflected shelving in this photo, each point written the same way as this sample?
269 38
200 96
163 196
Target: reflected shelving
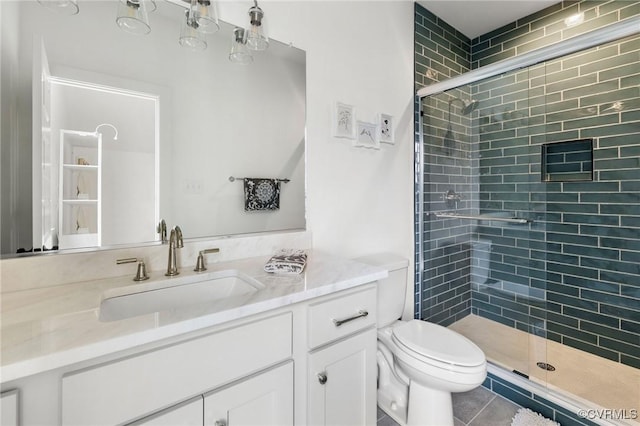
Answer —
80 189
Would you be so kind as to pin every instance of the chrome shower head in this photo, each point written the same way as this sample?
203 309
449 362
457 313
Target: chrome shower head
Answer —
449 140
467 106
470 106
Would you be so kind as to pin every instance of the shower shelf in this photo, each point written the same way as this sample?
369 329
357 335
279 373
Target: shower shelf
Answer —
519 220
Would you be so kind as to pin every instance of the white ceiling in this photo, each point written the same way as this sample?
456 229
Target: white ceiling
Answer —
476 17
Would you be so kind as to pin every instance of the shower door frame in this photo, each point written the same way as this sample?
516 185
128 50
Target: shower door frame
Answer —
607 34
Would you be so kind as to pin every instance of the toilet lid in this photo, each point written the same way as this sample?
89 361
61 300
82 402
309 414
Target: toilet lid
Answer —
439 343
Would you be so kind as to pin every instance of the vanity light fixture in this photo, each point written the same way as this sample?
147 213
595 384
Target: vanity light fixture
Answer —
133 17
256 38
191 36
65 7
239 52
201 18
115 137
207 17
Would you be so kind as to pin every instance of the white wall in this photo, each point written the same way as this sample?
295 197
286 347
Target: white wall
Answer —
359 201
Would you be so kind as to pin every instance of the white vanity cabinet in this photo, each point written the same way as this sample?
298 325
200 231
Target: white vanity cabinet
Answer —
261 369
342 361
265 399
127 389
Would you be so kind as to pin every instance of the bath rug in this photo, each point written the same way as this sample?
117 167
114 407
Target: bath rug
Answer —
261 194
526 417
287 261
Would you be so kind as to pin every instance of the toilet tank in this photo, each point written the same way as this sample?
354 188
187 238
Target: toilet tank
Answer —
391 290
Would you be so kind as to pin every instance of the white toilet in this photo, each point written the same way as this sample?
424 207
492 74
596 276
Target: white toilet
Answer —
419 363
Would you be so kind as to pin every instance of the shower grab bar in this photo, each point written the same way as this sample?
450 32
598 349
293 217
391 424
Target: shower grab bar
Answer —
519 220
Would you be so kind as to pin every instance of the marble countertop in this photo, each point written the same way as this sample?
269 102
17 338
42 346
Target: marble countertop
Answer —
48 328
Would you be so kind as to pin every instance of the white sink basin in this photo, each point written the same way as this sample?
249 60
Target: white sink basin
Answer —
174 293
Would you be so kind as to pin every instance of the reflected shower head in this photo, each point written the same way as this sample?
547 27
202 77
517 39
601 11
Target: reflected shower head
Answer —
449 141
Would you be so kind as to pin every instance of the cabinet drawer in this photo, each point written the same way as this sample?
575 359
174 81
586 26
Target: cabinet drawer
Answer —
341 315
126 389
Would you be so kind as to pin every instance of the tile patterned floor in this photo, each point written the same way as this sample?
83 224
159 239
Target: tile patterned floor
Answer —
479 407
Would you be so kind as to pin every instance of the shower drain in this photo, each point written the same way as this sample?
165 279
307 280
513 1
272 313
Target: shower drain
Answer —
546 366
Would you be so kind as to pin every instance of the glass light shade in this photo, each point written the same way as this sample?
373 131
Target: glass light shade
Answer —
207 17
256 39
239 53
133 17
66 7
190 35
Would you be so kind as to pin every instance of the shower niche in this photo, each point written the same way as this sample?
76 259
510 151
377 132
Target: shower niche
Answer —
567 161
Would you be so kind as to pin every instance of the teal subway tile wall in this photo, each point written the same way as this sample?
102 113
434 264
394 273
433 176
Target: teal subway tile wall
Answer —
443 293
574 273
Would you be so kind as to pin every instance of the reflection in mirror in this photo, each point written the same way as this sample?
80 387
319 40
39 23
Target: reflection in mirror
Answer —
105 133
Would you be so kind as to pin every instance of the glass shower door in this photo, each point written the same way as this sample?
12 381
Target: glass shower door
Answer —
483 259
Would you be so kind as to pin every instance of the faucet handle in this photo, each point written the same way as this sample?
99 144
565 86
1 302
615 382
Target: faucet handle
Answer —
162 230
141 272
200 261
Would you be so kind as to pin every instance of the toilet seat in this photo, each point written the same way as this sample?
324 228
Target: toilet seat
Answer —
437 345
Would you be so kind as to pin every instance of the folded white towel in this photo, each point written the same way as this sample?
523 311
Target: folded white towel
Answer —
287 261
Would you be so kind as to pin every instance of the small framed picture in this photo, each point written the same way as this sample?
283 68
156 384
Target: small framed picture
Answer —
386 128
367 135
344 121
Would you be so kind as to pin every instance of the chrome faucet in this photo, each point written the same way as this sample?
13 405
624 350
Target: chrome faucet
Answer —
175 241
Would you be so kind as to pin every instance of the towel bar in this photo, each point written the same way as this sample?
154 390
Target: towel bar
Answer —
233 179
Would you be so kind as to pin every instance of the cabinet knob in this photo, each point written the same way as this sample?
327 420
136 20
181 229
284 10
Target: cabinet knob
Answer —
322 378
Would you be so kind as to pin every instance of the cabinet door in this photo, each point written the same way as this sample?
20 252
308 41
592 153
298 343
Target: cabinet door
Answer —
342 382
188 413
9 408
264 399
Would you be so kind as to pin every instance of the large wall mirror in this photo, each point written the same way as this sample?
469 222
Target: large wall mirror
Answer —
105 133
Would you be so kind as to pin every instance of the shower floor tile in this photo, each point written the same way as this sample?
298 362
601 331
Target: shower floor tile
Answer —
582 375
